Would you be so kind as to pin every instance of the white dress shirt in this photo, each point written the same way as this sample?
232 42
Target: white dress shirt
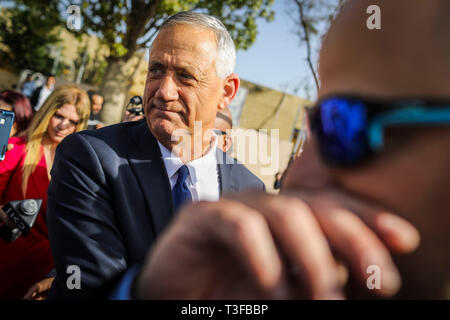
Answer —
203 179
45 92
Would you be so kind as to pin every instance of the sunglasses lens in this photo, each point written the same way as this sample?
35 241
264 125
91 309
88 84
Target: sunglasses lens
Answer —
340 125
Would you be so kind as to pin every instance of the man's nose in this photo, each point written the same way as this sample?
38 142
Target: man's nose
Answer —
65 123
168 89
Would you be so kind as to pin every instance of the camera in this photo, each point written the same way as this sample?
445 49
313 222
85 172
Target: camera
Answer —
18 217
136 106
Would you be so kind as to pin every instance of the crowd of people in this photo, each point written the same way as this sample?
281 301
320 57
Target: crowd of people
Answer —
143 216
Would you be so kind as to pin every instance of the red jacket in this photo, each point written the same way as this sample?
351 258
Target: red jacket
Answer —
28 259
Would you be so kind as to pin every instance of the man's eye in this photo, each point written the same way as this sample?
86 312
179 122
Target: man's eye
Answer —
186 76
156 71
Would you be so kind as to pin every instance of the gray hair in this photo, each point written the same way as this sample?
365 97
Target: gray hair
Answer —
226 52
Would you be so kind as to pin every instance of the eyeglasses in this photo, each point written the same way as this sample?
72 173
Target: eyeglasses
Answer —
350 129
61 118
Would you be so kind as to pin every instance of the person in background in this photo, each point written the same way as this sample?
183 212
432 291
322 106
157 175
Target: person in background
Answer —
25 174
14 101
223 125
96 106
40 94
28 86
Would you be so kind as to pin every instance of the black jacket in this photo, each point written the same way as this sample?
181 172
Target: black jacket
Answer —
34 99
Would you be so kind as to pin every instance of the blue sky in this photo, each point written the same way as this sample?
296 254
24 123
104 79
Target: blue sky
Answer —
276 59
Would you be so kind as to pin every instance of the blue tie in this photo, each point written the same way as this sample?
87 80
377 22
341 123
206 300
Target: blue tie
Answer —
180 191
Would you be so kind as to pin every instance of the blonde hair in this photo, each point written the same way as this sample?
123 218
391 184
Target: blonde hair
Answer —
67 94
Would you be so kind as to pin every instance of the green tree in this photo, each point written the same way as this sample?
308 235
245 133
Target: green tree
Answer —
127 27
26 30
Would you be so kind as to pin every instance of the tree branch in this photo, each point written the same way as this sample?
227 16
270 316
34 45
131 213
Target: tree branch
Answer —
137 20
307 39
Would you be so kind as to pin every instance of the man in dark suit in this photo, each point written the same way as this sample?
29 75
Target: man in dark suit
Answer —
41 93
114 190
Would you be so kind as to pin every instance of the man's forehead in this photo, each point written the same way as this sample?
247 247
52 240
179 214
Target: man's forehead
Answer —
185 46
185 37
97 98
406 57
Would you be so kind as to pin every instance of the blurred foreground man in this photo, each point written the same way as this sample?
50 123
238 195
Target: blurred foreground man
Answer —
383 124
380 145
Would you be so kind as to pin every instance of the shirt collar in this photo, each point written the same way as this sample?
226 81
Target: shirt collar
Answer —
196 166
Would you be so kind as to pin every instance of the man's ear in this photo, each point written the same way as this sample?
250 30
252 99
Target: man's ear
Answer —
227 142
230 87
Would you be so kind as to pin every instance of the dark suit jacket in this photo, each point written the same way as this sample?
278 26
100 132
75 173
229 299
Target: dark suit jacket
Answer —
108 200
35 96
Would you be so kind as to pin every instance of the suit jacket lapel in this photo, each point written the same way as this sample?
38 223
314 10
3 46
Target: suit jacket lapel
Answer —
224 163
146 162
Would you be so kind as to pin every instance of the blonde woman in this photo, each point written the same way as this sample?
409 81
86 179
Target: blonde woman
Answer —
25 174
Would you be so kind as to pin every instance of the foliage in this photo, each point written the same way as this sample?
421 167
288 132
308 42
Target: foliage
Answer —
126 26
26 30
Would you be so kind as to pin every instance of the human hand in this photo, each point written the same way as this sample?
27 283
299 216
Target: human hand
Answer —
246 246
39 290
99 125
362 232
309 178
132 117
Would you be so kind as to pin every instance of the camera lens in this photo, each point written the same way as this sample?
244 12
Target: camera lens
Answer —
29 206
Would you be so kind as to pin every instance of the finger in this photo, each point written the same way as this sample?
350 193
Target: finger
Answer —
342 273
358 244
10 146
302 242
245 233
30 292
308 174
47 283
398 234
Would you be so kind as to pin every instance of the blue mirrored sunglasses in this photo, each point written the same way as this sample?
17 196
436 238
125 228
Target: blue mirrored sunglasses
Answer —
350 129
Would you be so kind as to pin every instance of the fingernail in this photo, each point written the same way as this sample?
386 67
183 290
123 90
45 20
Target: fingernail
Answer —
405 234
